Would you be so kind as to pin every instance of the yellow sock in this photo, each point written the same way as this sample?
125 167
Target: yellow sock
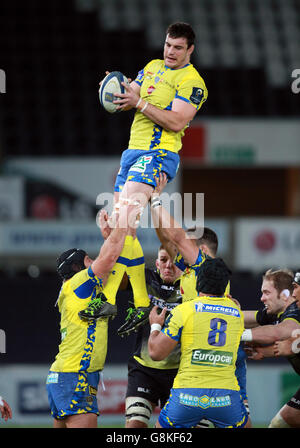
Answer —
115 277
136 274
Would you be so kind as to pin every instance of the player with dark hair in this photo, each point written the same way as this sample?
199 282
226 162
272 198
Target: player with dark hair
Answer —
278 330
182 29
74 375
209 329
190 249
167 94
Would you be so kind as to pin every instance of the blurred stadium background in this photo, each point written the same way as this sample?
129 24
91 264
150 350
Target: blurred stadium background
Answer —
59 150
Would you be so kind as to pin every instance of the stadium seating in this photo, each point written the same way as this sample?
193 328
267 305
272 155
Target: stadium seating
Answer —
54 56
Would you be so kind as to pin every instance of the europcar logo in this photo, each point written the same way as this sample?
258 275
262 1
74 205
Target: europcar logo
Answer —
212 358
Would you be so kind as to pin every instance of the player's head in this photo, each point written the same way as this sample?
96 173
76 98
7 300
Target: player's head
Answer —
165 266
70 262
179 45
182 29
277 287
213 277
207 241
296 287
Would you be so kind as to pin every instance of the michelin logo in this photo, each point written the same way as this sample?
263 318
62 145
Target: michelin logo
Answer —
208 308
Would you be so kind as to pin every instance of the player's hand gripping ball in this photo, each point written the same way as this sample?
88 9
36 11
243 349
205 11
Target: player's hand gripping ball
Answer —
110 85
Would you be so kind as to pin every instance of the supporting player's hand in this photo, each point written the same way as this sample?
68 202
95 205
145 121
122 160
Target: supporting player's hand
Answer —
6 411
254 352
161 181
287 347
155 318
103 222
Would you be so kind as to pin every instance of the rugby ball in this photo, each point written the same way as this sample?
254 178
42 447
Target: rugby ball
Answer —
110 85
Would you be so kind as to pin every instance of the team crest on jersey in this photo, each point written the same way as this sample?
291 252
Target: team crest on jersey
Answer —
197 95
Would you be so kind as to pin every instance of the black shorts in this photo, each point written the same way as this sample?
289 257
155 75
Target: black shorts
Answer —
294 402
149 383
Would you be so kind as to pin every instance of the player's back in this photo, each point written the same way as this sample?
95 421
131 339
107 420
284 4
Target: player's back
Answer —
209 330
83 344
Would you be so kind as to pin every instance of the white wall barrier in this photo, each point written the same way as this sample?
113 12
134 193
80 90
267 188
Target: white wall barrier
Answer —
264 243
47 239
23 387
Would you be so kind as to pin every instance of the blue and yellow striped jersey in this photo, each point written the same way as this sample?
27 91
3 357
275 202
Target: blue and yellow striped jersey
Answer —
160 85
189 276
209 330
188 279
83 344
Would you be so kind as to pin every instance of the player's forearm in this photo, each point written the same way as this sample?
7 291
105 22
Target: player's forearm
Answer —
167 119
267 334
169 228
167 244
250 319
159 345
162 234
112 248
154 348
116 241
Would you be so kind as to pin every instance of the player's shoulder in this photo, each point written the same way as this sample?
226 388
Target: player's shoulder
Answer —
291 312
154 64
84 279
81 276
187 307
192 74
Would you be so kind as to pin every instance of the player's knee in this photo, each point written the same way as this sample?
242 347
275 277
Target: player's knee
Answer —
278 422
139 409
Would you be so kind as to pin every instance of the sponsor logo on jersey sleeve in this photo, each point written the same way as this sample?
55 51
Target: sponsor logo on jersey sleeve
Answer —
197 95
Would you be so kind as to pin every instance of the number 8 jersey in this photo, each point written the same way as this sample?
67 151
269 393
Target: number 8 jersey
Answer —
209 330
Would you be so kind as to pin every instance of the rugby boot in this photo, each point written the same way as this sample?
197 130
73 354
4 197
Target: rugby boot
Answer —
135 318
98 308
122 330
